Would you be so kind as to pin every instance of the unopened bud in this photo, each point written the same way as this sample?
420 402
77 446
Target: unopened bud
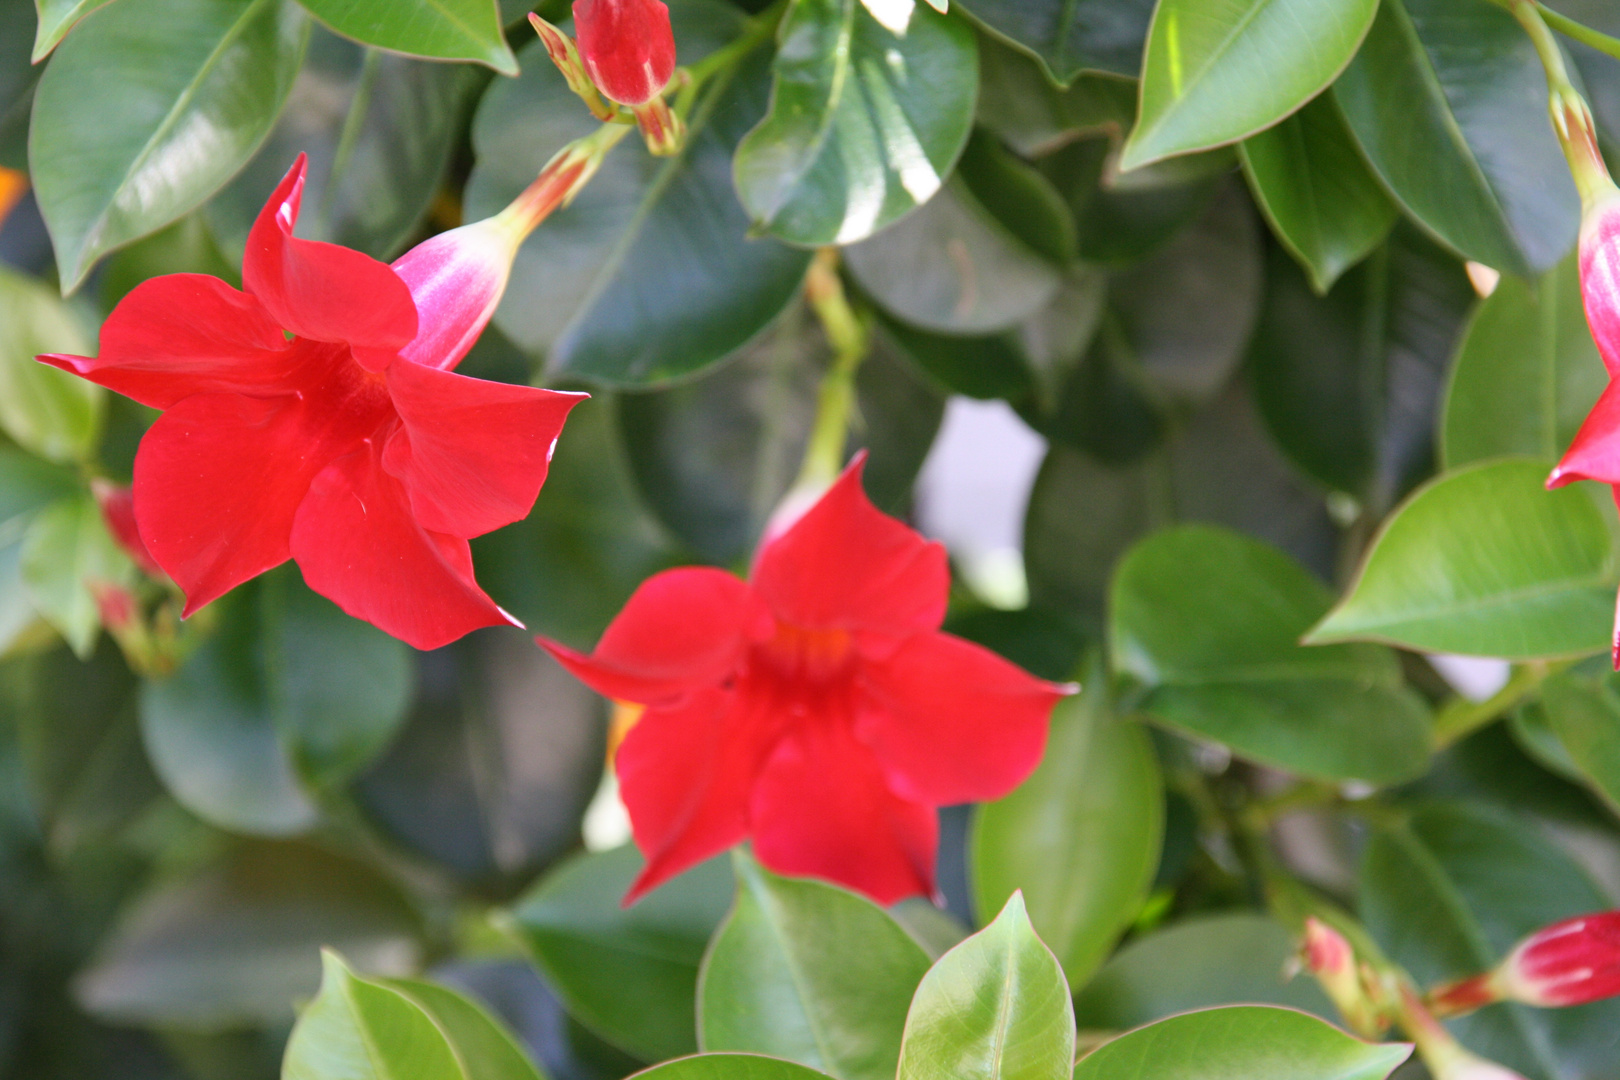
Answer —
1329 957
565 54
1568 963
627 46
117 505
115 604
662 127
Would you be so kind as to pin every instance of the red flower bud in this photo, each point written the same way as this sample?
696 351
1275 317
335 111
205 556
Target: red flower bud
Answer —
118 512
628 47
115 604
1568 963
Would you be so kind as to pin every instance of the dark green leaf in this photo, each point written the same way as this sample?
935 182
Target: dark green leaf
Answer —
66 555
1081 836
996 1007
441 29
978 367
811 973
186 247
52 413
129 103
1486 562
628 974
1020 197
1448 102
1018 101
56 18
1210 622
604 289
866 120
1315 190
1071 36
1256 1042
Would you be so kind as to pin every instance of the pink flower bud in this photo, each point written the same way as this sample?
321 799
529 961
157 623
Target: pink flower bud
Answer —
628 47
115 604
118 512
1329 957
1600 276
1568 963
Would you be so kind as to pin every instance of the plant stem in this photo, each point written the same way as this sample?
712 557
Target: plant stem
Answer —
1577 32
1461 717
850 339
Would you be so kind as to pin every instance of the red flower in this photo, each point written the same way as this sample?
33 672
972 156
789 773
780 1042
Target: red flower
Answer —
815 707
1568 963
314 415
628 47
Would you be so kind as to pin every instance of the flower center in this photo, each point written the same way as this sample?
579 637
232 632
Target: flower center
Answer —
815 656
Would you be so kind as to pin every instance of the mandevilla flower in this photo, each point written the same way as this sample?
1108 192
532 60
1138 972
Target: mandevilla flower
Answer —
314 415
815 707
1568 963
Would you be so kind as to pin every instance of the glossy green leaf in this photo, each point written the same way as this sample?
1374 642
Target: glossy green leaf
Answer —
483 1047
1526 374
1256 1042
18 23
56 18
730 1067
1450 893
52 413
866 120
808 972
364 1029
440 29
1215 73
1210 622
238 942
1485 561
629 974
996 1007
66 554
1081 836
1314 188
1448 103
1071 36
605 291
1198 962
130 98
1581 708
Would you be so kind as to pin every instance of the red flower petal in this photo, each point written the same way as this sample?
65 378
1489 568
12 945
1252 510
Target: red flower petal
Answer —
183 334
685 773
952 722
472 453
1600 281
847 565
683 630
325 291
627 47
1595 452
358 545
821 808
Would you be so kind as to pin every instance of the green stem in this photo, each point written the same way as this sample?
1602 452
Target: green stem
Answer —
1571 116
1461 717
850 340
1577 32
1529 14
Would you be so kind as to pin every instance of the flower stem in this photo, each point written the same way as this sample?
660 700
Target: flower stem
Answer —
1577 32
1460 718
564 176
850 340
1571 116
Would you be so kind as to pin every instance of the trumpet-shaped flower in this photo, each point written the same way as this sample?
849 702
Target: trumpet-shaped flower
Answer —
816 707
1568 963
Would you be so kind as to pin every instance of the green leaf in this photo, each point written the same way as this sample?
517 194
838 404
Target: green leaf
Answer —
628 974
27 486
1582 710
996 1007
56 18
186 247
1314 188
1210 622
604 291
1071 36
127 101
808 972
866 120
238 942
365 1029
729 1067
1019 103
1526 374
1255 1042
484 1049
52 413
1484 561
1081 837
1450 893
438 29
66 554
1020 197
1227 959
1448 103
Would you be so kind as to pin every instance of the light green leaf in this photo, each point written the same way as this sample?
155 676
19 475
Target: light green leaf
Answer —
1582 709
1486 562
439 29
56 18
484 1049
811 973
47 411
996 1007
730 1067
364 1029
67 553
1217 71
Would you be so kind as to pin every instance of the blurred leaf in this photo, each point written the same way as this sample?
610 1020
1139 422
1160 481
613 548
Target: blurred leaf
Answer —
1040 642
52 413
1449 894
729 1067
1019 102
1314 188
27 486
364 1029
484 1049
1081 836
66 553
978 367
811 973
238 942
441 29
1256 1042
56 18
128 102
865 121
1350 384
1202 961
1448 103
605 290
1020 197
187 246
1485 562
996 1007
1210 622
627 973
1071 36
18 21
1581 709
1526 374
379 130
498 760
